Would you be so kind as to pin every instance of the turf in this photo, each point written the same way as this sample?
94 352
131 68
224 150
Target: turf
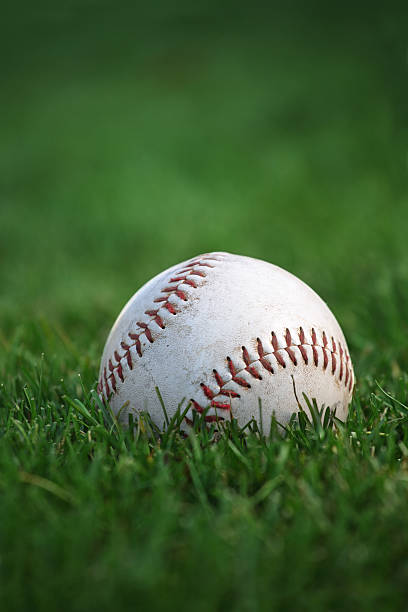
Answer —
133 139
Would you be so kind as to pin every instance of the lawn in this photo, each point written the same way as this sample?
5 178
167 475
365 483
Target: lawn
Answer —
133 138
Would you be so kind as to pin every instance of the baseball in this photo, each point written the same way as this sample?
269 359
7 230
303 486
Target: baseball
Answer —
224 331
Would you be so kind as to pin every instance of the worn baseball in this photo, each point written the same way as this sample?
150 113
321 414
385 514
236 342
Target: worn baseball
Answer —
224 331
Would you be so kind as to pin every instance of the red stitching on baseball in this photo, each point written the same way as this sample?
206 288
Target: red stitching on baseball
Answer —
304 353
264 362
245 356
218 378
129 360
113 381
220 405
209 418
325 358
146 330
181 276
347 375
291 355
207 391
170 308
277 353
137 342
280 359
235 378
228 393
333 363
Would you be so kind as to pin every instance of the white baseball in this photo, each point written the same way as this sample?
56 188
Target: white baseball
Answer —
225 331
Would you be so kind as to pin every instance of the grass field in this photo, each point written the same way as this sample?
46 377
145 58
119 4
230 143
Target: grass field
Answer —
133 139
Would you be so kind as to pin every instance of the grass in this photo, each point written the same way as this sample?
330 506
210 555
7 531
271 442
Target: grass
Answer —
131 141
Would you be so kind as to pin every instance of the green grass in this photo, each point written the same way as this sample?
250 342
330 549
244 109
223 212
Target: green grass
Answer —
131 140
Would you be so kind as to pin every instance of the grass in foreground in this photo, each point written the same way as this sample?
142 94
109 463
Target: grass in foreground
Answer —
93 516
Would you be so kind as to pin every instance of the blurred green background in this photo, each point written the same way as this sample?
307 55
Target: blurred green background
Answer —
134 136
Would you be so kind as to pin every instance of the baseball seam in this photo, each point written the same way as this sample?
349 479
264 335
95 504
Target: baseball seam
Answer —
180 280
333 357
